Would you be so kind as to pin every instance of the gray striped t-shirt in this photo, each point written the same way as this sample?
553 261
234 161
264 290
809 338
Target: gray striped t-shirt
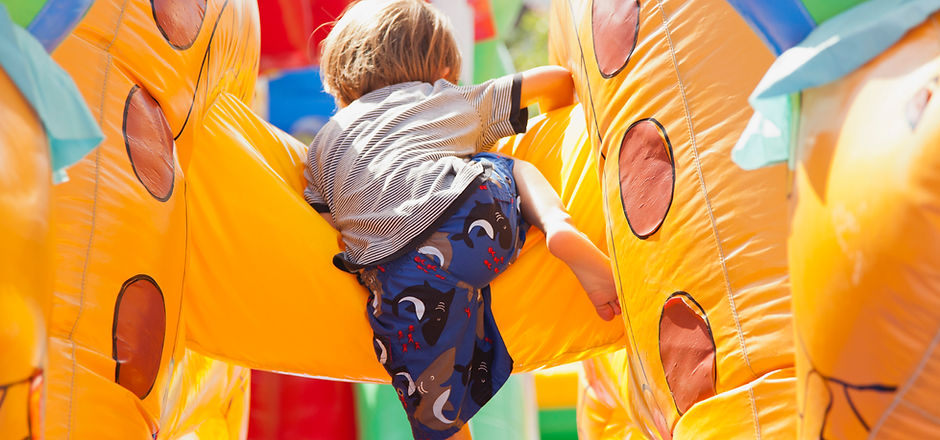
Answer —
390 163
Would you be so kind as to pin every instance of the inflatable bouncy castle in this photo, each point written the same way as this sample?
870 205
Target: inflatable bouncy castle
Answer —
184 234
698 244
849 107
761 173
25 292
837 149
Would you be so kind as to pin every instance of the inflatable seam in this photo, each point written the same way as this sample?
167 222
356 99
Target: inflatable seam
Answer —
94 216
202 68
899 398
701 178
750 395
587 82
628 327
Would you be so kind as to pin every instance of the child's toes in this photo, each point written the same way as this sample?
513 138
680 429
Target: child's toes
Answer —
605 311
615 305
606 305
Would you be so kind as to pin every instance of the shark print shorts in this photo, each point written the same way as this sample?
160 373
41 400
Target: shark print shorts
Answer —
430 312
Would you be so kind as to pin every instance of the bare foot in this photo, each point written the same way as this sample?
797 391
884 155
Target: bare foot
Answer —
590 266
605 299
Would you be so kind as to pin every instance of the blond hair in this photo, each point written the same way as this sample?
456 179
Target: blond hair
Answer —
377 43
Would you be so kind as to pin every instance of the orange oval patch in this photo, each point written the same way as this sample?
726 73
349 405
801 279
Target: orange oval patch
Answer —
149 143
647 176
137 334
615 25
179 20
687 351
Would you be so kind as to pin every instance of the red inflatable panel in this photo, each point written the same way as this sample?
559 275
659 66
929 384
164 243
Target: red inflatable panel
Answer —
300 408
286 28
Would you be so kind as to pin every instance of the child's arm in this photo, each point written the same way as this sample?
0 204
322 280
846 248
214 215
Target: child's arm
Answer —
550 86
329 218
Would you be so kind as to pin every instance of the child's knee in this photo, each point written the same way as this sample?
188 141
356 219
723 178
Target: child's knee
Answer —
520 168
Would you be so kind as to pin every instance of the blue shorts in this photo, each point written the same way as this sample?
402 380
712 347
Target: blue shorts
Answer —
434 330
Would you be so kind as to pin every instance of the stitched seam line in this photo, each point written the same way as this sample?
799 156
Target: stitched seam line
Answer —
94 216
91 239
628 326
750 393
701 177
587 81
907 385
610 238
922 412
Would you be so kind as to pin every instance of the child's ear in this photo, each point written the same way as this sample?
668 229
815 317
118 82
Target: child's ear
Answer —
448 75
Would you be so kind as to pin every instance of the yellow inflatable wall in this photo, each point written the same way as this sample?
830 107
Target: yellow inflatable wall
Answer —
603 412
698 245
858 213
25 263
118 362
183 239
184 236
263 293
864 246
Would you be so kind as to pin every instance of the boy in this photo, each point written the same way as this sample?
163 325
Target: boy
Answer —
427 217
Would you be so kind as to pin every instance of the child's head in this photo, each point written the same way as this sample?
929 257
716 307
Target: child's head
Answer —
378 43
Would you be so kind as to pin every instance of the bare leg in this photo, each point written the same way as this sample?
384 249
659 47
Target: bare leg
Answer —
542 208
463 434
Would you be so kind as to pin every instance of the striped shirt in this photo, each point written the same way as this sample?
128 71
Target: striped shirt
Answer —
390 163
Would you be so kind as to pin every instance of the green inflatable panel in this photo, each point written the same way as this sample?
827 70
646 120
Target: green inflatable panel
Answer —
22 12
505 14
491 60
822 10
379 415
510 415
558 424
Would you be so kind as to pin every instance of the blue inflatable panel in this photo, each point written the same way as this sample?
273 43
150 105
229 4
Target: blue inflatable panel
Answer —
56 19
297 103
780 23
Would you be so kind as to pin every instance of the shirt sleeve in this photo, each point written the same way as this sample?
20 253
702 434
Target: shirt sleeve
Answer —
497 101
315 200
312 194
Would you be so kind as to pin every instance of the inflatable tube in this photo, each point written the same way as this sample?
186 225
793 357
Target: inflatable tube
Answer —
44 126
602 410
260 298
25 289
698 246
118 363
862 234
863 247
208 400
184 233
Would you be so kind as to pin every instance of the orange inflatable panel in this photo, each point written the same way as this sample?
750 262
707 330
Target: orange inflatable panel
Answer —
863 247
261 291
602 411
25 263
118 363
698 245
181 246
